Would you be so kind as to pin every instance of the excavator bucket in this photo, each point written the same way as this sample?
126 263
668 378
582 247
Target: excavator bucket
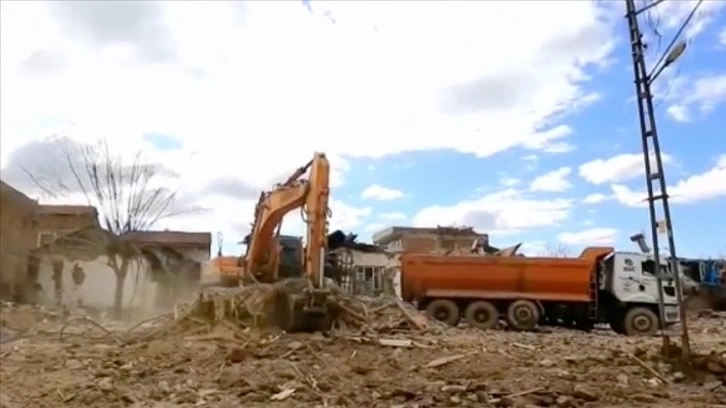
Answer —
301 308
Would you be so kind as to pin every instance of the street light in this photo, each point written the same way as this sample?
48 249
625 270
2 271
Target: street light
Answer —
675 53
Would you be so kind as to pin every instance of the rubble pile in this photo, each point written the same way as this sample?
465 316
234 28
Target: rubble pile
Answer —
250 306
380 358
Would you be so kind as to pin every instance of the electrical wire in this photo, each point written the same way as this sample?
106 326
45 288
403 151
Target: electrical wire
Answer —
683 26
653 23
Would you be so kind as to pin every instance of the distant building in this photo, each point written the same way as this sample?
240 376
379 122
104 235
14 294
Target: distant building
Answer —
423 240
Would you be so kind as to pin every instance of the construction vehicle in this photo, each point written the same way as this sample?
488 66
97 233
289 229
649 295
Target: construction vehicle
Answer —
301 302
706 278
227 269
600 286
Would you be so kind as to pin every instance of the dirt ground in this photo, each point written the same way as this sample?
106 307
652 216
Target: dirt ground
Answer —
165 363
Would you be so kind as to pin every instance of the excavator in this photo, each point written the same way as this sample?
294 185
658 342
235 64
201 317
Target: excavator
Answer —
302 301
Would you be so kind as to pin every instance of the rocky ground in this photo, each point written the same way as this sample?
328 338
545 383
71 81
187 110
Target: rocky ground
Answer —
175 362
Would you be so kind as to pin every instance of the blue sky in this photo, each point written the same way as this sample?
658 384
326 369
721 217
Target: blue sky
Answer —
604 129
529 134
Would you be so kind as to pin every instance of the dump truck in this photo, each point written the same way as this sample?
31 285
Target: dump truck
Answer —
599 286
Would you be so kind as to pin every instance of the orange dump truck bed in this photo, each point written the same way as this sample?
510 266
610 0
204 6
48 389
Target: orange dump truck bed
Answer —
492 277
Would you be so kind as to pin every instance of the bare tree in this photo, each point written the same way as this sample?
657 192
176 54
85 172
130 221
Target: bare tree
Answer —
558 250
125 194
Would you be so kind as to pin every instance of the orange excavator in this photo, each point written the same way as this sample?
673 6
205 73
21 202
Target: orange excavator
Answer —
302 301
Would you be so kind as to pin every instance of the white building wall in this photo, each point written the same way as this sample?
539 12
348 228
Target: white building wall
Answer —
98 288
381 259
199 255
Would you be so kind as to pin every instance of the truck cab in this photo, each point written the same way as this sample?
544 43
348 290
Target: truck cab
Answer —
629 290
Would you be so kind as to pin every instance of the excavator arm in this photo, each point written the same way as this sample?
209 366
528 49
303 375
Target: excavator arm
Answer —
262 257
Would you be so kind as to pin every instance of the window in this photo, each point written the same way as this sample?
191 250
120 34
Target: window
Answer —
395 246
648 268
378 279
359 274
45 238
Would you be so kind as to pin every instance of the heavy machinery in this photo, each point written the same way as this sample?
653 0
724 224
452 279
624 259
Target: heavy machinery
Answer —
706 280
600 286
301 304
226 270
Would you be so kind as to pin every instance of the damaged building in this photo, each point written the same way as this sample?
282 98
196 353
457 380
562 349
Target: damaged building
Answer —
423 240
75 272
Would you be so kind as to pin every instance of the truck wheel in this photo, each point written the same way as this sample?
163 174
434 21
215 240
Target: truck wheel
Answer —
523 315
482 315
640 321
444 310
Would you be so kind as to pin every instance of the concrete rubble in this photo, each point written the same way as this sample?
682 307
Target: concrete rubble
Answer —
384 355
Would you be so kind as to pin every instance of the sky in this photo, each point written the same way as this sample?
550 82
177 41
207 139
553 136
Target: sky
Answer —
516 118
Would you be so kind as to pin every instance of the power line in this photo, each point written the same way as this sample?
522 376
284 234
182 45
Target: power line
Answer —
656 68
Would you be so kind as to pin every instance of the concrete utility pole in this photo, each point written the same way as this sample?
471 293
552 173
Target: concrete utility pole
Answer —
654 172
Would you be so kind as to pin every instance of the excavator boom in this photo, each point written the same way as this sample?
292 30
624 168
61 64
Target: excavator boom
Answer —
262 259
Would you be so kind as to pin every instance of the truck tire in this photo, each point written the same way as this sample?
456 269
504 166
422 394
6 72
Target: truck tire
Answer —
640 321
444 310
523 315
482 315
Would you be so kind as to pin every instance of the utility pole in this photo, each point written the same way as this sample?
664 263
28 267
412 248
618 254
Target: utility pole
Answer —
654 174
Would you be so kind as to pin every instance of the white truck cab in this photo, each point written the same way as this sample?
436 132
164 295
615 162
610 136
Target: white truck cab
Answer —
628 280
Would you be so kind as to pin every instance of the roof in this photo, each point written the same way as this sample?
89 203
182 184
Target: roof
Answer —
171 237
6 188
52 209
392 233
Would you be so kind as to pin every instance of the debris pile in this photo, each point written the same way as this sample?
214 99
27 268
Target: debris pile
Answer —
379 358
250 306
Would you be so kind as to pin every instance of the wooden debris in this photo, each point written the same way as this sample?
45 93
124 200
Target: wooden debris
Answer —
282 394
395 342
444 360
650 369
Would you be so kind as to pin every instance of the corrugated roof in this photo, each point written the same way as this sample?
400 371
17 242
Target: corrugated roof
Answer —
171 237
53 209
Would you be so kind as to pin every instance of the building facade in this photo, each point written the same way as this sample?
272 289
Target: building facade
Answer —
151 280
424 240
18 223
58 220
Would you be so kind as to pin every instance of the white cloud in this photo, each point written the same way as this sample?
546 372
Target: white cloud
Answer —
617 168
553 181
722 37
503 212
378 192
559 147
672 13
534 248
679 113
592 236
393 216
509 181
335 62
595 198
686 94
374 227
699 187
259 102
